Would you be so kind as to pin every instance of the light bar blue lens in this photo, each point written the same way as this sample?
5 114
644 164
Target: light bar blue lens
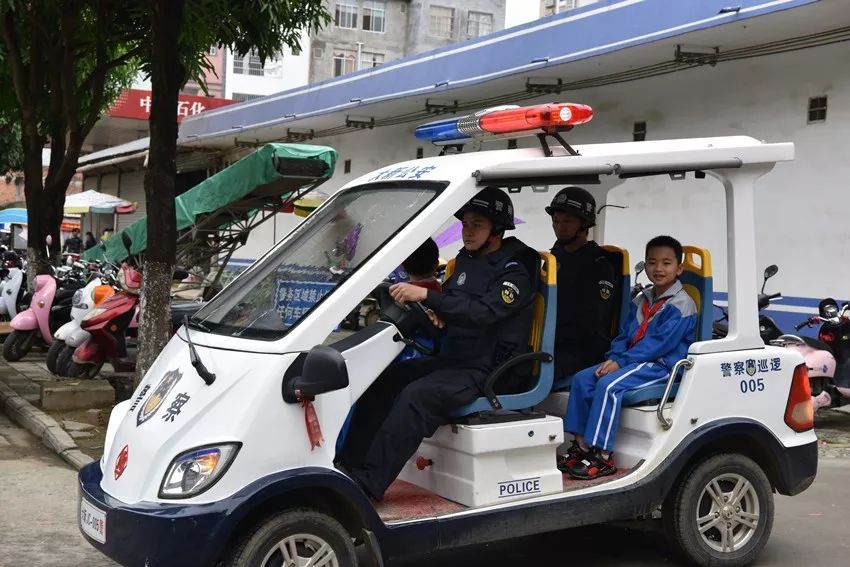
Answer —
439 131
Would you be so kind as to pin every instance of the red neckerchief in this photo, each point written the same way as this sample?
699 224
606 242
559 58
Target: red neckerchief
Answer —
648 312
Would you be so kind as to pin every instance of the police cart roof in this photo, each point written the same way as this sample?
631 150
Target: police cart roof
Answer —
626 159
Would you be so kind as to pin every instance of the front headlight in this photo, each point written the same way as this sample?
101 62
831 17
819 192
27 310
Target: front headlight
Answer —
195 471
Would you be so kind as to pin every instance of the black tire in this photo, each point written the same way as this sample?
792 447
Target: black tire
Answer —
85 371
260 542
690 501
17 345
53 356
64 360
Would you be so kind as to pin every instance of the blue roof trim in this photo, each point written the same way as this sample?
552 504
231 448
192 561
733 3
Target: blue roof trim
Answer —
599 28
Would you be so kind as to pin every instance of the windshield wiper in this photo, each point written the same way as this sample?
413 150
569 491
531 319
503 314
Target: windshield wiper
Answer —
191 322
207 376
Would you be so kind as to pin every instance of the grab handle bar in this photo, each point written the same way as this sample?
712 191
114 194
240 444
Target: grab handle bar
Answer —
687 363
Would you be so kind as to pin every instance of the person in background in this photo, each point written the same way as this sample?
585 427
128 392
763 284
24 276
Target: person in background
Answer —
73 243
89 241
107 232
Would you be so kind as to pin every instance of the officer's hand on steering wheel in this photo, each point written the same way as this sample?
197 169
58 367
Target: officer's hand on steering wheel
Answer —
407 293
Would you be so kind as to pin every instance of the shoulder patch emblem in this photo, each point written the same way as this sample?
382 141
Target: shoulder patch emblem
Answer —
509 292
606 290
461 279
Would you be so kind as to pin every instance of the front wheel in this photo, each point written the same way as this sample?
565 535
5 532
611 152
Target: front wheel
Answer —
722 513
86 371
53 356
17 345
64 360
295 537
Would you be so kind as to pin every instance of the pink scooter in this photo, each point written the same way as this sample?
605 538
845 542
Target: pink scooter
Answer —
49 309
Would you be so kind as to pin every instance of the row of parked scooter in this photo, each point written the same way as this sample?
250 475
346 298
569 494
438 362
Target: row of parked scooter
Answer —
827 357
84 314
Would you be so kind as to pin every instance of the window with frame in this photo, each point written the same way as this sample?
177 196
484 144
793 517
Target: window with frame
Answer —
441 21
249 64
557 6
345 15
374 15
817 109
369 59
478 24
345 61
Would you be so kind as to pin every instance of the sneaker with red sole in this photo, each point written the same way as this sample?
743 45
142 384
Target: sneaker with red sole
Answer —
573 455
593 466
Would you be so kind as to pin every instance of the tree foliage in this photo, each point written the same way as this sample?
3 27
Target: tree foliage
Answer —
62 64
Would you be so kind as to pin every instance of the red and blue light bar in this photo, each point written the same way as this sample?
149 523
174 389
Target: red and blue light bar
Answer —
505 120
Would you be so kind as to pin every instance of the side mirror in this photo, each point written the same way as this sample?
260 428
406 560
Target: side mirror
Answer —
48 240
639 267
323 370
771 271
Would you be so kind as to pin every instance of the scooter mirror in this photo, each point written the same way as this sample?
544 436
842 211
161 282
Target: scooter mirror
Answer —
48 240
771 271
639 267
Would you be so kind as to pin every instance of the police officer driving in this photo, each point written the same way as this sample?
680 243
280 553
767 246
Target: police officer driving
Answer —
486 306
585 284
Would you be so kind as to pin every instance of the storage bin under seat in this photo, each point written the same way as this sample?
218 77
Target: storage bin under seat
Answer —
477 465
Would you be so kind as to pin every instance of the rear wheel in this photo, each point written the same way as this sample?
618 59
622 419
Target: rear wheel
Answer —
722 513
17 345
295 538
53 356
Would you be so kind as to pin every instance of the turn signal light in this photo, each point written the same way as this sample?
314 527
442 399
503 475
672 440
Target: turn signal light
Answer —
799 411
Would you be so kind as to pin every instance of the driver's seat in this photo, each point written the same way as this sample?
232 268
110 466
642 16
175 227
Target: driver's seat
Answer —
542 342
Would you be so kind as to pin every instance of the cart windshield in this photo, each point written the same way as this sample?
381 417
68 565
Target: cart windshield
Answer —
329 246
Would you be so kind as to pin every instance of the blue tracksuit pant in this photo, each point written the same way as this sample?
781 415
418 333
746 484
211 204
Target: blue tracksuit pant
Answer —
595 405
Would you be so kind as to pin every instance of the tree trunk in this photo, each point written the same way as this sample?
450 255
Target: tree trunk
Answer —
167 77
37 230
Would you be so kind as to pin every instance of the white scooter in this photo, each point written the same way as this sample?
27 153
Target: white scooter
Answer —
10 291
71 334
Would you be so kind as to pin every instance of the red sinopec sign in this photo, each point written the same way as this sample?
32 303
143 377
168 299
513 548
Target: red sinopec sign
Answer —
135 103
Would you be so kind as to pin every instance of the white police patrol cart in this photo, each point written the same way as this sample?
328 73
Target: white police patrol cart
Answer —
224 454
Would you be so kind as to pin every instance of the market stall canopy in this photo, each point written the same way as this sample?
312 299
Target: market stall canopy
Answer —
224 208
94 202
13 216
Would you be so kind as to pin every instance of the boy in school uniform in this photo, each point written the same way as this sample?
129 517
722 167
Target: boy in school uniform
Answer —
657 332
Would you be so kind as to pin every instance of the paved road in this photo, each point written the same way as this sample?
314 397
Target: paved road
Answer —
38 506
38 523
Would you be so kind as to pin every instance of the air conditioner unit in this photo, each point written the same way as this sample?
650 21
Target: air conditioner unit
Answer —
318 53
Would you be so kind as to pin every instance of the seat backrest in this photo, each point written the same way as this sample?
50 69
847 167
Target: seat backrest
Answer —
697 280
541 339
619 258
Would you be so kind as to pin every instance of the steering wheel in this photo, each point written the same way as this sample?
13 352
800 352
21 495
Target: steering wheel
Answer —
408 318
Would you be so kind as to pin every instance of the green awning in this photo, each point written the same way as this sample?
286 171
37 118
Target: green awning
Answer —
237 183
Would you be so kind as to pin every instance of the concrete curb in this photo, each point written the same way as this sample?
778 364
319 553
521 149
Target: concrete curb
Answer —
42 426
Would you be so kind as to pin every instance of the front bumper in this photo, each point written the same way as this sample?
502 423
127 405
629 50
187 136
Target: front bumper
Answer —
151 534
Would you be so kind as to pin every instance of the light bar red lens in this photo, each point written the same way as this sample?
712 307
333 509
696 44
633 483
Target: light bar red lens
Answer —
535 117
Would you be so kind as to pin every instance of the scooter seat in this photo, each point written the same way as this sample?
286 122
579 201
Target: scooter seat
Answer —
816 344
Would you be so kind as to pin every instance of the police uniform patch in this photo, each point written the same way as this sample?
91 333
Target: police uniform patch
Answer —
461 279
509 292
606 290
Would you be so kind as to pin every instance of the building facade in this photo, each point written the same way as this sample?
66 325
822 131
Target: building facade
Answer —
367 33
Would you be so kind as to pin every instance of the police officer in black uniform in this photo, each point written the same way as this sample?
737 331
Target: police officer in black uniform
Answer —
585 284
486 308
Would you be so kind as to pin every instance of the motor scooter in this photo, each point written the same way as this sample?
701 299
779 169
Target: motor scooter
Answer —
768 329
84 300
828 356
109 323
49 309
12 290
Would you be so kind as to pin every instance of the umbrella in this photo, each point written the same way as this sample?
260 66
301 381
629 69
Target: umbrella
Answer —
94 202
13 216
453 233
